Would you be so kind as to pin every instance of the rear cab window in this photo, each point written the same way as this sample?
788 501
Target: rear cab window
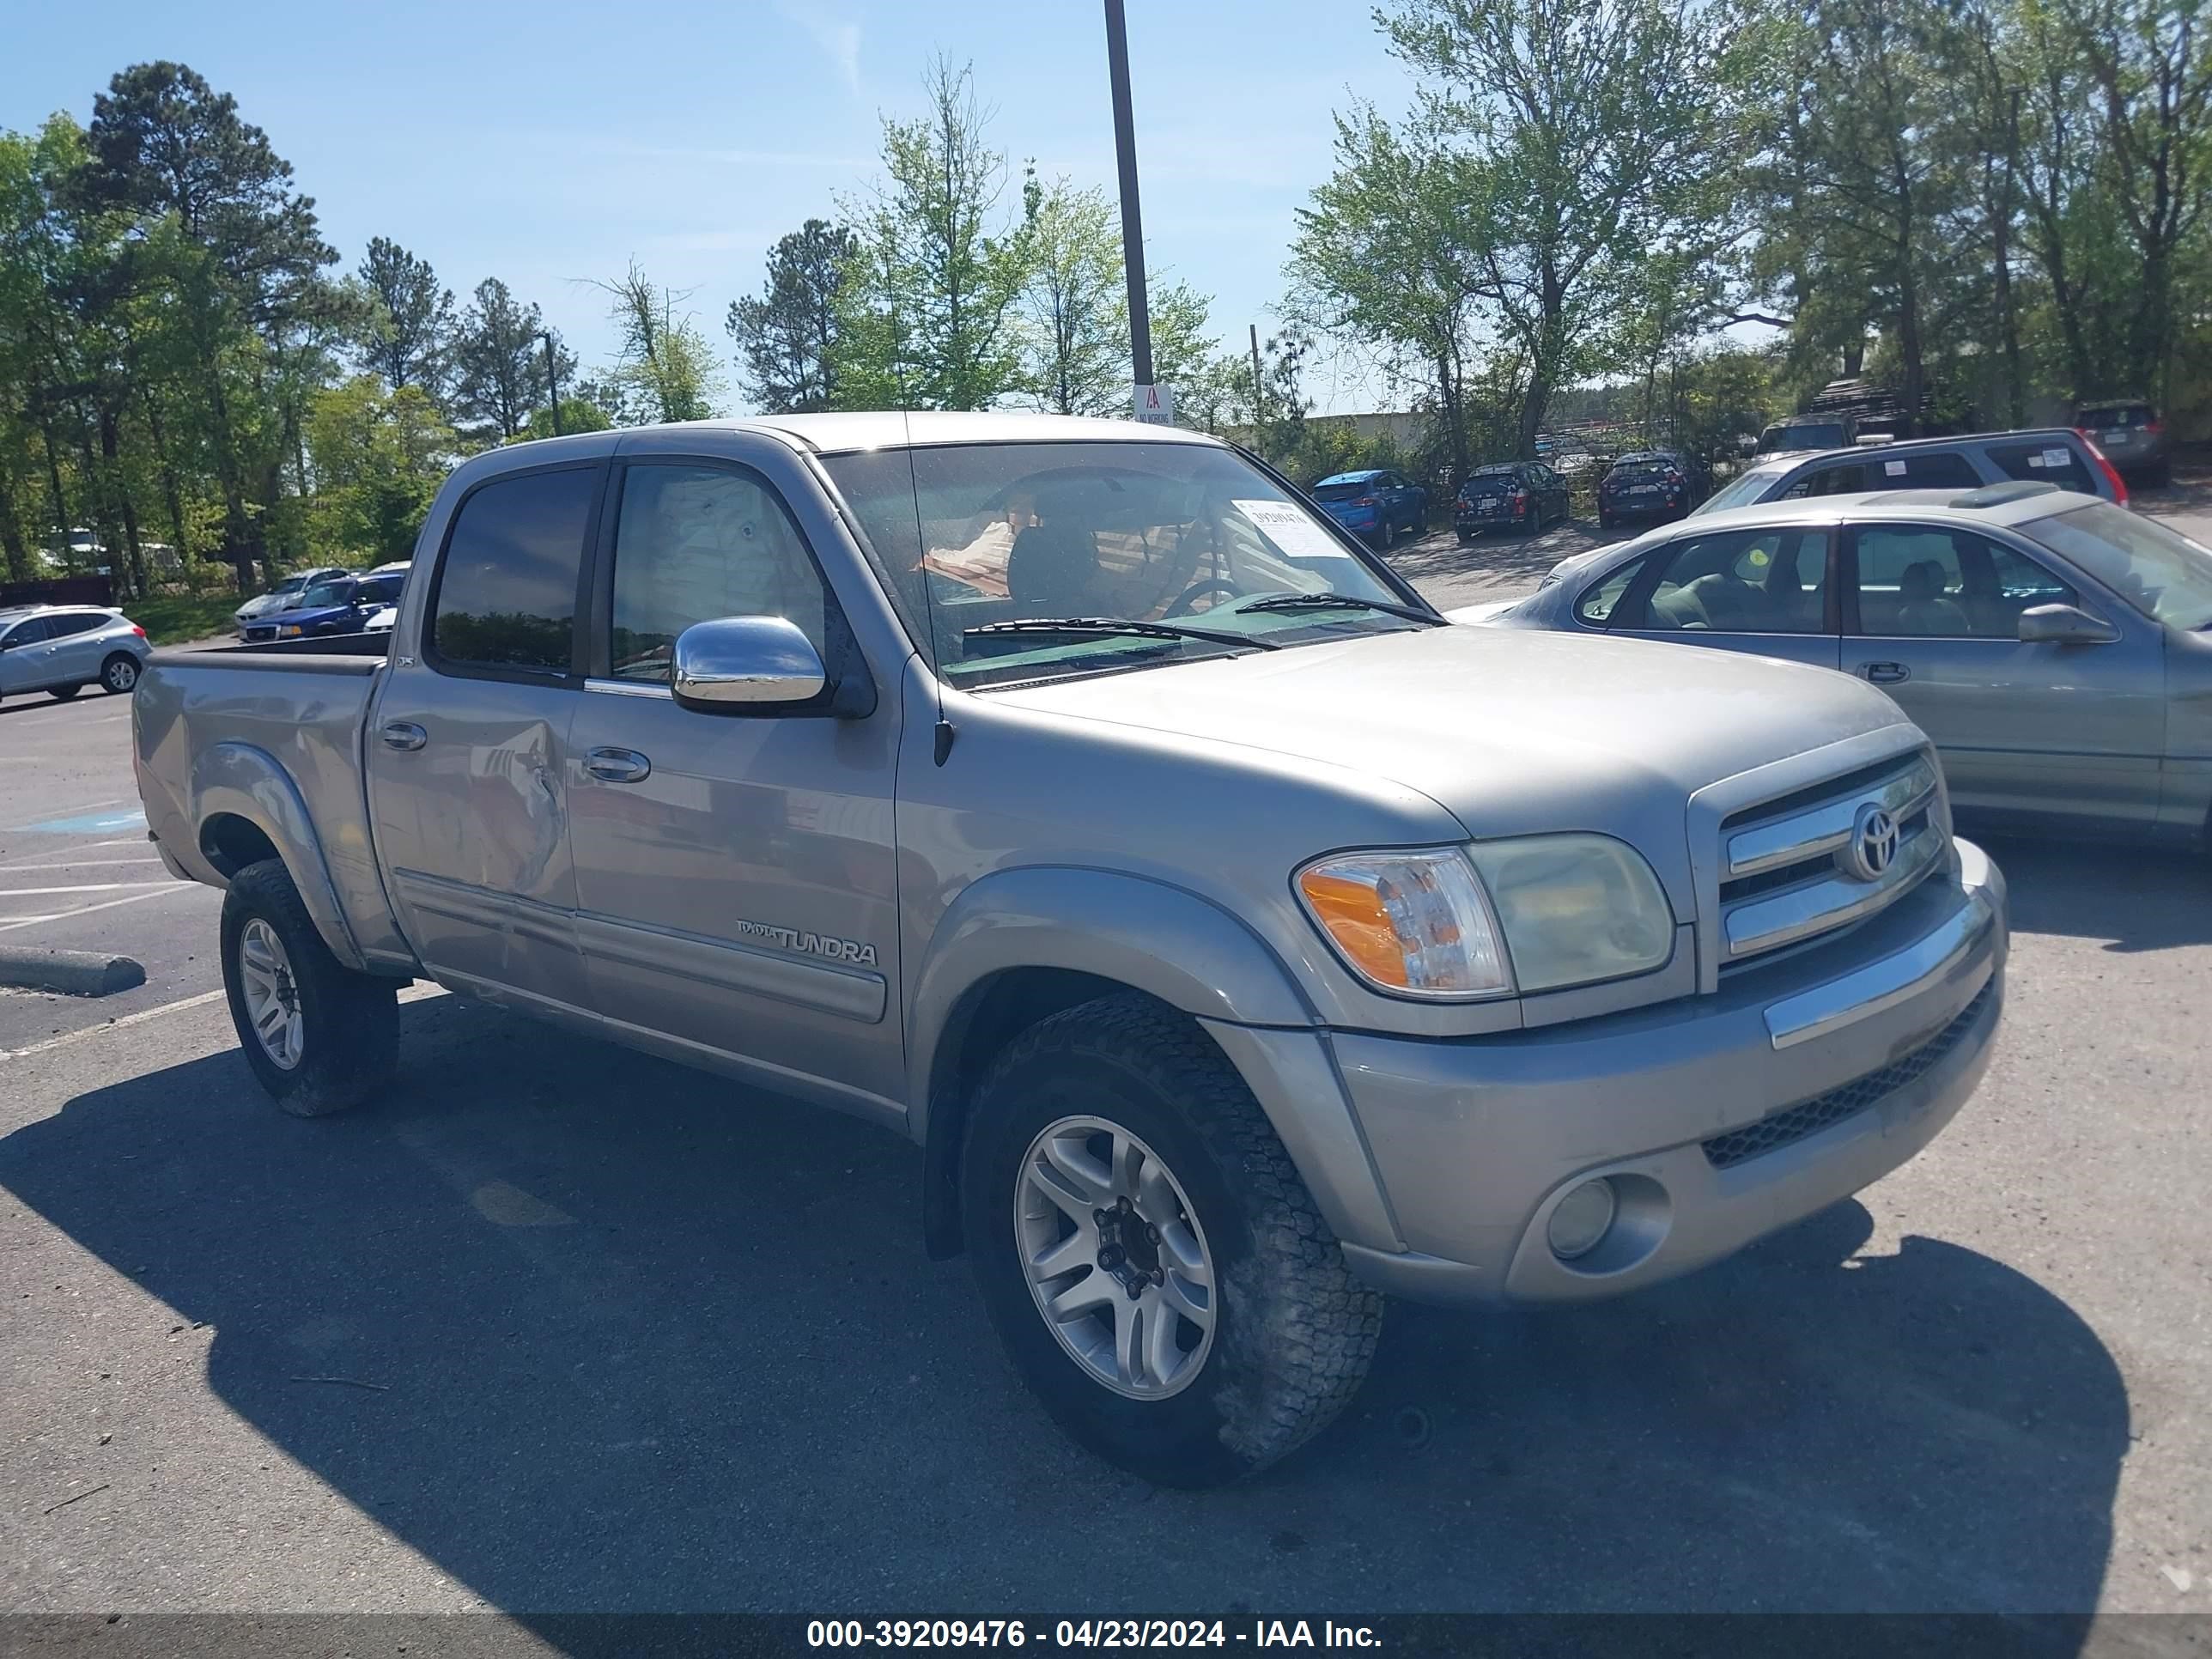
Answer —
506 600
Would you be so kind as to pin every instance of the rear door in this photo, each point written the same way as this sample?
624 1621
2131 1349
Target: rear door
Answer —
468 745
1766 592
79 645
2047 734
737 876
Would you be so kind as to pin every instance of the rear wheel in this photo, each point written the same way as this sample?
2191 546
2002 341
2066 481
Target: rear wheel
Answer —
1148 1253
319 1037
119 674
63 693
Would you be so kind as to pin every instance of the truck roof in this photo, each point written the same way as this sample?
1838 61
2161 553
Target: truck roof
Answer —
893 429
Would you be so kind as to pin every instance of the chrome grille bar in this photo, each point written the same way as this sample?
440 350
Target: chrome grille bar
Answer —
1822 831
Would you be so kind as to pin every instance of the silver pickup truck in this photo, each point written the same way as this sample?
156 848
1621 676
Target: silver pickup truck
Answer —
1239 940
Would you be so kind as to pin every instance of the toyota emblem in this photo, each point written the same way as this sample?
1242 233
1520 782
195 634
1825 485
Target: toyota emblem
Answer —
1873 845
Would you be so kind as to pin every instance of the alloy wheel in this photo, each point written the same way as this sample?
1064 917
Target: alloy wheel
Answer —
271 993
1116 1258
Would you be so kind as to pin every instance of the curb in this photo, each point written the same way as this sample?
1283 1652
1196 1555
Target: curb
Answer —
73 973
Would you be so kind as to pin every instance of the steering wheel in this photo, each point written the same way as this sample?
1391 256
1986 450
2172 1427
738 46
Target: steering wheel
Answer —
1198 591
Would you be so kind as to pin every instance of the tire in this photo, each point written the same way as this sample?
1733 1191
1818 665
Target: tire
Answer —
1466 536
63 693
1293 1332
2160 476
346 1031
119 675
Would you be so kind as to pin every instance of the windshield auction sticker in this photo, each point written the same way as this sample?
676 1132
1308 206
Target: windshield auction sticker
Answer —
1296 535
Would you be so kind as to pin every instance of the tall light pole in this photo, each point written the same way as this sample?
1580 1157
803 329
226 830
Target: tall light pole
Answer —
1133 229
552 383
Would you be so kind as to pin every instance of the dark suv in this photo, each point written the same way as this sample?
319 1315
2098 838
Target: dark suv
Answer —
2128 430
1653 484
1525 495
2052 455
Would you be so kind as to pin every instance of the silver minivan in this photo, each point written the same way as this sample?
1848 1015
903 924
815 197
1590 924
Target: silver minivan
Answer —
2057 647
60 649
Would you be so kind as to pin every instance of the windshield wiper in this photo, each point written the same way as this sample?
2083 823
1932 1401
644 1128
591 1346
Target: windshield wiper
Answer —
1333 601
1146 630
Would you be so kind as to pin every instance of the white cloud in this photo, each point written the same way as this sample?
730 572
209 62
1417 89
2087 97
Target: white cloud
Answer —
840 42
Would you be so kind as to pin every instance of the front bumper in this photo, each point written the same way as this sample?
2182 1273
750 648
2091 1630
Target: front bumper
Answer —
1719 1118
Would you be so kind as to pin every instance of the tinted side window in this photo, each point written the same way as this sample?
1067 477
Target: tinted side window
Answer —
1921 580
29 631
2044 463
1741 581
1597 605
1935 469
1845 480
60 628
696 543
507 592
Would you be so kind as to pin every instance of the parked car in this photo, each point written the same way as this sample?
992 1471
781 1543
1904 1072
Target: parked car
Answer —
281 597
2056 646
1649 483
1230 965
1523 495
379 620
341 605
1802 432
1376 505
2127 429
2054 455
60 649
396 568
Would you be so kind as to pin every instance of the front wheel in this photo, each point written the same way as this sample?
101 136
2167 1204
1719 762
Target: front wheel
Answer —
319 1037
119 674
1150 1258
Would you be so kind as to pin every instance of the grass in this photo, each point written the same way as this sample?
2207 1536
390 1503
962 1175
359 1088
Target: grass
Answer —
177 618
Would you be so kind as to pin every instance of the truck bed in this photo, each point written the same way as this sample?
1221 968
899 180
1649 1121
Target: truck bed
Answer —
247 742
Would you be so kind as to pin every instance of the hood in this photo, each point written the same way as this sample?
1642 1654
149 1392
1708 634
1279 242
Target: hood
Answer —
1513 732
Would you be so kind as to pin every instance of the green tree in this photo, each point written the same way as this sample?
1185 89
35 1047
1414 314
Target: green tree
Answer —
245 258
668 371
926 313
410 330
1574 136
379 455
786 335
499 364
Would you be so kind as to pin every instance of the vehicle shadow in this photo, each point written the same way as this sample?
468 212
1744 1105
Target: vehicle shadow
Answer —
2134 898
630 1339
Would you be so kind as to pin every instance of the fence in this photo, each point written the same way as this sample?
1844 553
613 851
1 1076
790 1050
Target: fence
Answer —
60 590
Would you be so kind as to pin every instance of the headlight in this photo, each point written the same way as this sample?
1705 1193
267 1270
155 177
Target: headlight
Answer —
1575 908
1411 922
289 631
1547 912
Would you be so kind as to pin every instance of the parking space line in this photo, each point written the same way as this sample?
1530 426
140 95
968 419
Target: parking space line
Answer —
164 891
420 993
85 887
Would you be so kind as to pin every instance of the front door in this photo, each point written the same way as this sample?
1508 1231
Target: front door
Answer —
468 747
736 875
26 654
1765 593
2046 734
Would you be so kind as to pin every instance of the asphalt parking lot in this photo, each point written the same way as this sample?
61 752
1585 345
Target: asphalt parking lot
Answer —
559 1327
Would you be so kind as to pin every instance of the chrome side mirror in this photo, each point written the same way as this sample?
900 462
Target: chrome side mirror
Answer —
2063 624
746 666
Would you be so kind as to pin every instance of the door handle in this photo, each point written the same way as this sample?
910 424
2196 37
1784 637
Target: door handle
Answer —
618 766
404 734
1887 673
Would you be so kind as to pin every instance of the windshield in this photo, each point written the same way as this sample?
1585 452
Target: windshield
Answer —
979 534
1742 491
323 593
2160 572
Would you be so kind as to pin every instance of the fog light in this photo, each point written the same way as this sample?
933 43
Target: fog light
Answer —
1581 1218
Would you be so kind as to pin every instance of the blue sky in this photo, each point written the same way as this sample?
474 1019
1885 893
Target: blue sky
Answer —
550 141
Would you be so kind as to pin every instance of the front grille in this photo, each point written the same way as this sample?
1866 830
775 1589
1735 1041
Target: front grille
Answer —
1793 1123
1786 877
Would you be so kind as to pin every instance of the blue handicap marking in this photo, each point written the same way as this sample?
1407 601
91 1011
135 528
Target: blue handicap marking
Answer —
112 822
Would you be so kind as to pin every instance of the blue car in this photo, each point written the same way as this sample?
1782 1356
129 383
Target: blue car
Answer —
341 605
1375 505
